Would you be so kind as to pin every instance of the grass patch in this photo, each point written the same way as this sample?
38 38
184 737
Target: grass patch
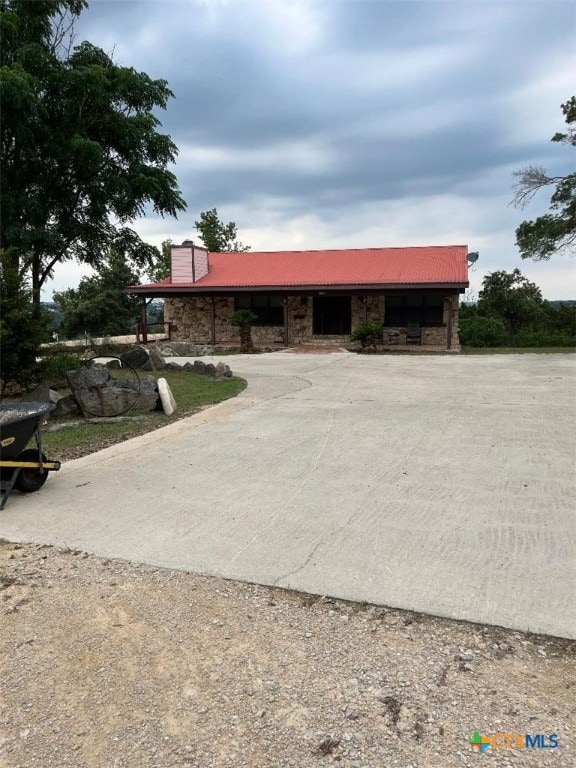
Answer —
517 350
191 391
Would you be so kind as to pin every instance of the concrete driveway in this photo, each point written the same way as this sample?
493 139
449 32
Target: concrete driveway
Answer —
442 484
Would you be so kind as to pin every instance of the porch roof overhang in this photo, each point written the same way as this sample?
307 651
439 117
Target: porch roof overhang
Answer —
159 290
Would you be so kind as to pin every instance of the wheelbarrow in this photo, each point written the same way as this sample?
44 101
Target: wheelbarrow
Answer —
25 469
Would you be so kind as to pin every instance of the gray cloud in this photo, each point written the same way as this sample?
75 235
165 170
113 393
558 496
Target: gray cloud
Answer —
318 107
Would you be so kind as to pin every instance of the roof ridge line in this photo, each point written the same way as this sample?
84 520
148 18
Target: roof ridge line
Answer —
324 250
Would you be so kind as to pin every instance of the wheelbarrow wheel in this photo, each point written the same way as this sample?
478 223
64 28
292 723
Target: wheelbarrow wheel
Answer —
30 480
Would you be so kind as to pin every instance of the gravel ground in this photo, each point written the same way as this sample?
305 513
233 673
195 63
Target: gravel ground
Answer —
108 664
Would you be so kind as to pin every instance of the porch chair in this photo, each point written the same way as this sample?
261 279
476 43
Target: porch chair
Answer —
413 333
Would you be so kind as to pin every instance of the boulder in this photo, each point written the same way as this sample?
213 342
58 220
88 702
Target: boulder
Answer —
55 396
223 370
66 406
184 349
197 367
165 351
156 359
147 385
136 357
40 394
166 397
87 377
200 351
98 394
219 371
114 365
116 399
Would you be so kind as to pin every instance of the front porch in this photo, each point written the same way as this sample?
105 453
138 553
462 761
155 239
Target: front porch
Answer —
312 349
317 319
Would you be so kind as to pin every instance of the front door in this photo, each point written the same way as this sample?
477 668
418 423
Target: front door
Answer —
332 315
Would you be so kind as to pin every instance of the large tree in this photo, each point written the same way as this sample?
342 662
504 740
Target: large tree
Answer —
217 236
100 306
81 154
513 299
553 232
159 269
21 332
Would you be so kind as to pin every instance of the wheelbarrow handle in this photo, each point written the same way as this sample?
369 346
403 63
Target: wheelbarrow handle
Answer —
52 466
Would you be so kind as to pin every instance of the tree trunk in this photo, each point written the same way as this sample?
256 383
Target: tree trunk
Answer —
246 339
36 287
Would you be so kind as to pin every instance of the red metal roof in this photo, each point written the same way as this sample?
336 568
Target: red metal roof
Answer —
427 265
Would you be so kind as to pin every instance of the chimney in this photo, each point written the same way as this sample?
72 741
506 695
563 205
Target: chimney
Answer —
188 262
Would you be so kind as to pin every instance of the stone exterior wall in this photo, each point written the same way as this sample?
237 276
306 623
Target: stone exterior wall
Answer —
191 322
191 318
367 309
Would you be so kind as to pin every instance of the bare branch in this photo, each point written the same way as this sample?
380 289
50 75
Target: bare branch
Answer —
565 245
63 34
530 180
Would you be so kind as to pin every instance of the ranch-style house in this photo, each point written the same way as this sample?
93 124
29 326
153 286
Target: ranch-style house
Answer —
314 297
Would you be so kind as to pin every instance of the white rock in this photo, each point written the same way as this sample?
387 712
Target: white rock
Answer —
166 397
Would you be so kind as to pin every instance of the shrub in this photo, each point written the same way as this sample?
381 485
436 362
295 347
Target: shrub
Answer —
243 317
53 367
478 331
544 339
368 334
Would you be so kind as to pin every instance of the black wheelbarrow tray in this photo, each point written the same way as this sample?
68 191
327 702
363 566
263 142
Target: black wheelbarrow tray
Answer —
23 468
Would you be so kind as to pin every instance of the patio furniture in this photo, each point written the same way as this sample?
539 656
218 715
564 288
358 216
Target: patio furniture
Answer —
413 333
393 337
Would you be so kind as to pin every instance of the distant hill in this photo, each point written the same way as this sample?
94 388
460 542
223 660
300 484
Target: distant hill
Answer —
54 310
566 302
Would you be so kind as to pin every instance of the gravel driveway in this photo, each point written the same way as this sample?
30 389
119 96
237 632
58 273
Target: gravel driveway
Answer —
108 664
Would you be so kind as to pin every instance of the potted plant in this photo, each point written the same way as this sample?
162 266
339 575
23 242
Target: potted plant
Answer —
368 334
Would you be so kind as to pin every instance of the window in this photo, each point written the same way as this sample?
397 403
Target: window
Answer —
404 308
268 309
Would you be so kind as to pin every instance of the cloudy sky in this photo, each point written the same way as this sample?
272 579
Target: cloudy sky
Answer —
355 123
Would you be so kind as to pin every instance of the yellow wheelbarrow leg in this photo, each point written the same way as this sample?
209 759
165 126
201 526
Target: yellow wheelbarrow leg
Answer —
53 466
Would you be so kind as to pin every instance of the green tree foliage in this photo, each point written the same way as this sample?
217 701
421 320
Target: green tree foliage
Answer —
553 232
53 313
243 319
512 298
217 236
511 312
479 331
155 311
21 332
159 269
55 365
99 306
561 318
81 154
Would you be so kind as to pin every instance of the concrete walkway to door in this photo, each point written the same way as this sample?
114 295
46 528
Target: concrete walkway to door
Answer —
442 484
